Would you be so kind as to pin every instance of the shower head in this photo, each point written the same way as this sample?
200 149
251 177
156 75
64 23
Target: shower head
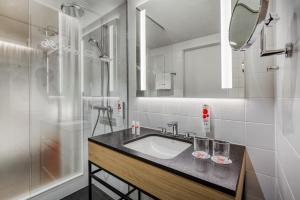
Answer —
72 9
102 57
94 42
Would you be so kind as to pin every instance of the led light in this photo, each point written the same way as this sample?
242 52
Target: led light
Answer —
111 55
47 65
62 17
143 58
226 52
9 44
82 66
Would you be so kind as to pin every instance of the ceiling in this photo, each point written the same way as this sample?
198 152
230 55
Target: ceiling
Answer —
182 20
14 15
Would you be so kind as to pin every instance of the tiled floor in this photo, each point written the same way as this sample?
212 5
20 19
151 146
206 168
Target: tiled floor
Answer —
83 195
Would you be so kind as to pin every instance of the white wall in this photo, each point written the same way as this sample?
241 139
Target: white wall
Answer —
175 62
248 121
287 102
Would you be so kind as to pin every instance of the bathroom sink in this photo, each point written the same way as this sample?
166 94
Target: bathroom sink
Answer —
159 147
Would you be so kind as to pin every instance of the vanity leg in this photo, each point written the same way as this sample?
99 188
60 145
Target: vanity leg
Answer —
139 195
90 181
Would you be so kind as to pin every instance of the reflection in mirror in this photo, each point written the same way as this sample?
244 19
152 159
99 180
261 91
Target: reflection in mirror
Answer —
243 23
179 51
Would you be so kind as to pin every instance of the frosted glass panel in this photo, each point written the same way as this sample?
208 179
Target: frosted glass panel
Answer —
14 103
55 104
41 127
14 122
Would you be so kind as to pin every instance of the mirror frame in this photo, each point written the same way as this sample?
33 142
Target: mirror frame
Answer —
263 11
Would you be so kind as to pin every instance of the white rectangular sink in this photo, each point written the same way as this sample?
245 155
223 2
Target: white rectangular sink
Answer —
159 147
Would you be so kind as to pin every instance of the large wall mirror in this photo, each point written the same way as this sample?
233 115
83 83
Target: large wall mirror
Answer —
183 50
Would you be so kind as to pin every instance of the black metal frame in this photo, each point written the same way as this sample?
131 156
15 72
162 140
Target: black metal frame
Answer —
92 176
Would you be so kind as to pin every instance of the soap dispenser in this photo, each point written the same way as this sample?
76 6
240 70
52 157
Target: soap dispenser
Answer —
206 118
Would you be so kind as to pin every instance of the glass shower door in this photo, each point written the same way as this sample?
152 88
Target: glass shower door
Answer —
14 103
56 140
43 92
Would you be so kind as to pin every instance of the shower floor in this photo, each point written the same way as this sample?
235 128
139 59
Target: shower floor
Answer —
83 194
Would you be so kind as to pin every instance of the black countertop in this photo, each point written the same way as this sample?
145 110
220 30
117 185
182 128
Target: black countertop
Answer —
220 177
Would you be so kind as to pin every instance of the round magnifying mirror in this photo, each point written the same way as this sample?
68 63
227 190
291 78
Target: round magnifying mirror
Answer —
247 21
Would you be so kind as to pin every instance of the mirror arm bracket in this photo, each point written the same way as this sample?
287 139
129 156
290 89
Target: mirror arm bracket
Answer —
288 50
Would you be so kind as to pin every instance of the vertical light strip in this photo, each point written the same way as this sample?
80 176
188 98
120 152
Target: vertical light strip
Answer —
112 57
226 52
48 71
82 66
61 46
143 49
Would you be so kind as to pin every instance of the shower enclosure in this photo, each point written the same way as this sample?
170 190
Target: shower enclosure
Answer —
56 87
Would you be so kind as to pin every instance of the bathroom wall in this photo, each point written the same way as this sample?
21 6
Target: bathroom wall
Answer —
248 121
287 103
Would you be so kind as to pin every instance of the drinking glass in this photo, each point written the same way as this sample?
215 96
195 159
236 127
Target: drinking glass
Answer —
201 148
221 152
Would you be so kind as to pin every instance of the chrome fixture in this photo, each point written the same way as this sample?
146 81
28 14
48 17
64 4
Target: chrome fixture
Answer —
187 134
174 126
95 43
163 130
106 60
50 42
72 9
248 21
103 108
109 110
272 68
99 47
288 50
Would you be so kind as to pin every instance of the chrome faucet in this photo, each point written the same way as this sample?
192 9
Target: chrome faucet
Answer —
174 126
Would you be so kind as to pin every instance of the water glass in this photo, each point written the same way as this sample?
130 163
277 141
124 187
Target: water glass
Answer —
201 148
221 152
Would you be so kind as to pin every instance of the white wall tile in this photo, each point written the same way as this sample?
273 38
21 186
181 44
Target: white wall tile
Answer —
260 111
260 186
287 101
260 161
135 116
284 189
290 163
260 85
232 131
290 122
233 109
259 82
195 125
151 120
260 135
